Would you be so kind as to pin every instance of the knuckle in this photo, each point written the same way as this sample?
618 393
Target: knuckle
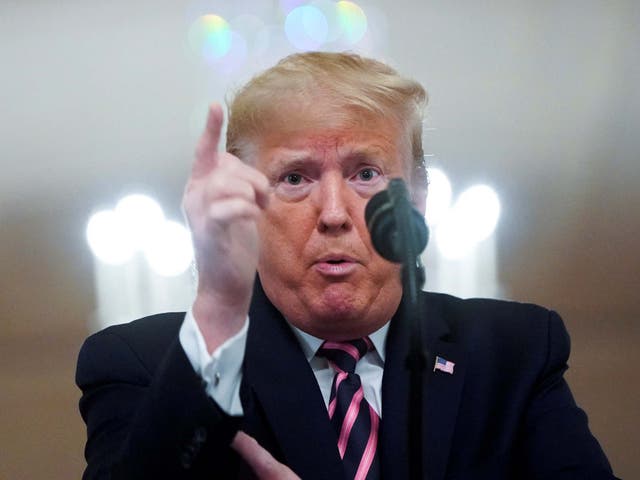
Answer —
215 213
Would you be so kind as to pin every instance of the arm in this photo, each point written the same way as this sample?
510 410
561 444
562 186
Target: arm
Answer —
223 199
149 424
148 421
557 442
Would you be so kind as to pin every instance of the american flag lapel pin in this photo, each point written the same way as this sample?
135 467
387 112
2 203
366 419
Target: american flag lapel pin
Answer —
444 365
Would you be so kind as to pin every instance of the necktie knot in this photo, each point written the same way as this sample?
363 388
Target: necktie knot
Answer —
345 355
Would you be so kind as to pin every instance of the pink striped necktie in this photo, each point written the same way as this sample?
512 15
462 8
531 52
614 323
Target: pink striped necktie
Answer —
355 421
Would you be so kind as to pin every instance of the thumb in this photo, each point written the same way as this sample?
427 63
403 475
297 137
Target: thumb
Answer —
261 462
207 150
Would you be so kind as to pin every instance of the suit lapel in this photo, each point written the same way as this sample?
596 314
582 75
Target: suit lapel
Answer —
442 402
441 396
279 376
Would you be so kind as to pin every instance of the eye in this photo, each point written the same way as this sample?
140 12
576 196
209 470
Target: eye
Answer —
367 174
293 179
294 186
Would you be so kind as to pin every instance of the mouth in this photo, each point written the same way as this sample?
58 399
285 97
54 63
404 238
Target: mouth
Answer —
336 259
336 265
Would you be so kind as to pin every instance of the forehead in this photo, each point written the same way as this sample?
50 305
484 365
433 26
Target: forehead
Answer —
345 133
345 141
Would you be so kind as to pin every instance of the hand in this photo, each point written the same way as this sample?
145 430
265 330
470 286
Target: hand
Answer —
222 200
262 463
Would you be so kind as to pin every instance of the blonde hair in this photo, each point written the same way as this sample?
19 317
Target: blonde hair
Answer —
349 83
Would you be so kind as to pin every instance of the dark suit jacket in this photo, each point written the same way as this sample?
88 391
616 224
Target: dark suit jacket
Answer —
505 413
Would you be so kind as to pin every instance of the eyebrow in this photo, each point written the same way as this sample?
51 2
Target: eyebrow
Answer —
367 149
365 154
301 160
290 162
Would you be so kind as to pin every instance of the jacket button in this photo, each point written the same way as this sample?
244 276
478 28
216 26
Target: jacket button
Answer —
186 460
200 435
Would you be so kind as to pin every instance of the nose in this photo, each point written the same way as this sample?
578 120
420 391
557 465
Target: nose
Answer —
334 205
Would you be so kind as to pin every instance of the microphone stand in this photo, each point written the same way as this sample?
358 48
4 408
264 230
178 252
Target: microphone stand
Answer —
416 361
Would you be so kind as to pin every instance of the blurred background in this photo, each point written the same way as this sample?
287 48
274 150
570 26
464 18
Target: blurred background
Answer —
532 134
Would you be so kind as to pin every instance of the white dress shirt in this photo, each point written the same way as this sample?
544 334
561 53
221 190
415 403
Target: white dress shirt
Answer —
222 370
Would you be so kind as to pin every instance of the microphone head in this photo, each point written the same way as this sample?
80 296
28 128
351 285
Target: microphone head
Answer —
381 224
380 217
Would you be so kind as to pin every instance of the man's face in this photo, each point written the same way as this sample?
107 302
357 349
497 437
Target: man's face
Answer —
317 264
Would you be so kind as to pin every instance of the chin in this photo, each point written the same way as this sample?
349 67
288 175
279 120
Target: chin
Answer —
339 299
337 309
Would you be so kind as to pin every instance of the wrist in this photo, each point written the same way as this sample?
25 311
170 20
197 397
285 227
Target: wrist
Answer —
219 319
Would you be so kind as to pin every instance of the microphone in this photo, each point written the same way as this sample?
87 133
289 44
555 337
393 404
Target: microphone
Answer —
395 226
399 233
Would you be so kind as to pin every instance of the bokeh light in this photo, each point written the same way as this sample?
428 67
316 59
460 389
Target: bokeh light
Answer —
452 237
472 219
353 21
236 56
479 208
141 217
251 28
171 252
287 5
210 37
306 27
438 196
107 237
375 40
334 28
137 224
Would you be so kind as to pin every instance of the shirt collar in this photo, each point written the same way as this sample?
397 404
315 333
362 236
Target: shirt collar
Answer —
311 344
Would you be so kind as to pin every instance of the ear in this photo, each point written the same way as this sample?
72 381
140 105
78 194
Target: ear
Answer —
419 187
419 198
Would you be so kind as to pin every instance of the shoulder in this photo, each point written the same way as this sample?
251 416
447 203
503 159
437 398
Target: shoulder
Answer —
148 332
135 348
502 328
488 307
465 316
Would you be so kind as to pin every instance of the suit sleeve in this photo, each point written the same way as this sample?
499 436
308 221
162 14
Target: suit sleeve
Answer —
557 443
149 424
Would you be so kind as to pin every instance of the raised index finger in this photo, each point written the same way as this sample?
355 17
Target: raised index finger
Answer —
207 150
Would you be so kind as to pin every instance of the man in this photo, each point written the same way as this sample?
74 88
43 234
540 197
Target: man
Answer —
255 378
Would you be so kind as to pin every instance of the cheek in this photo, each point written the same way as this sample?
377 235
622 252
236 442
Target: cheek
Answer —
386 272
283 233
